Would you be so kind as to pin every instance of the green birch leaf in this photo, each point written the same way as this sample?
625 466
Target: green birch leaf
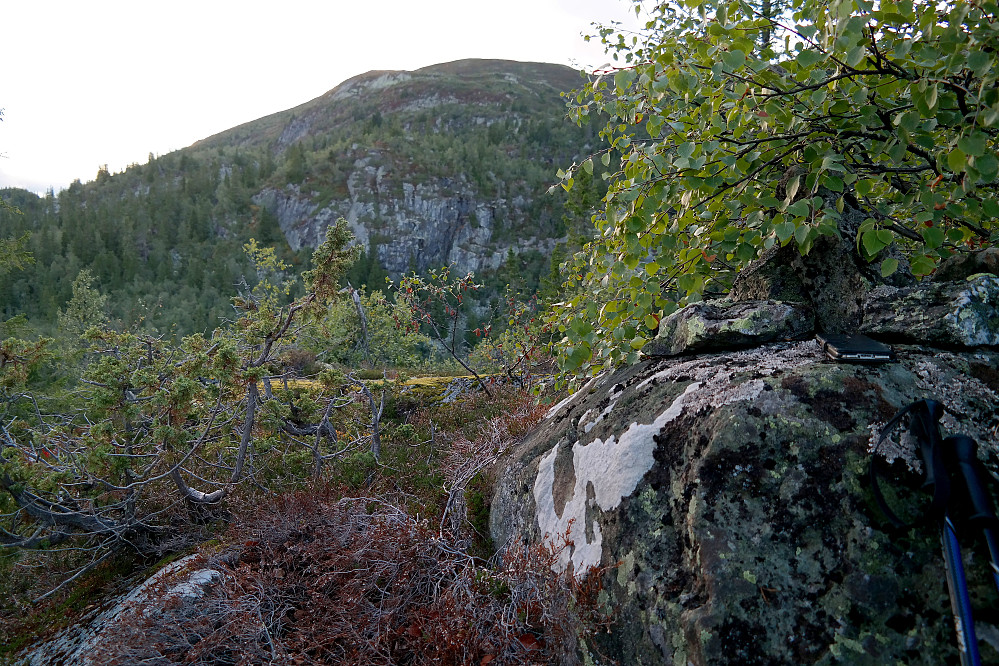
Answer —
799 208
988 166
576 357
855 55
623 79
979 62
784 230
801 234
931 97
974 143
808 57
872 242
934 237
957 160
922 265
734 59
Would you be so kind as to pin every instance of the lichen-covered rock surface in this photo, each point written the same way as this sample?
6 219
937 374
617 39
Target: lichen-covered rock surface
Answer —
168 594
961 313
723 324
728 495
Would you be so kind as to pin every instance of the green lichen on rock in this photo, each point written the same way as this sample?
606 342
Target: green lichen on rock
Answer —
953 314
723 324
751 537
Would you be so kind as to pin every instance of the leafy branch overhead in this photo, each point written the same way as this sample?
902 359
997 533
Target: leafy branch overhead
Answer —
718 148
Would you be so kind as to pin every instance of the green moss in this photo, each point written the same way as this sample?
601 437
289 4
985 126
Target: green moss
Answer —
477 499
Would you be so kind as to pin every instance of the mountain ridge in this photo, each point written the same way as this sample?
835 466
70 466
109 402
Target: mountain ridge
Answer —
559 77
448 164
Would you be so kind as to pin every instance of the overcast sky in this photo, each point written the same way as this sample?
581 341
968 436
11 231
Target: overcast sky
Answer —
87 83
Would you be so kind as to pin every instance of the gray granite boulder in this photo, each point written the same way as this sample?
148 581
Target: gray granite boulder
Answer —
171 592
726 495
951 314
722 324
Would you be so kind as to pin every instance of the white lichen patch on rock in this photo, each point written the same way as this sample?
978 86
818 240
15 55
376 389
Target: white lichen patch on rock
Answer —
608 470
612 468
591 421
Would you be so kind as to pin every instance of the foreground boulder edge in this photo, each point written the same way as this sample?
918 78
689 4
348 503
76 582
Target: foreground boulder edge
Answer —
728 495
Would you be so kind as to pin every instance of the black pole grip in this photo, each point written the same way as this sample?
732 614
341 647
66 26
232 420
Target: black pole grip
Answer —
966 452
923 426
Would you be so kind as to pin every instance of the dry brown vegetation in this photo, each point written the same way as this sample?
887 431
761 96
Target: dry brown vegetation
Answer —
311 578
391 567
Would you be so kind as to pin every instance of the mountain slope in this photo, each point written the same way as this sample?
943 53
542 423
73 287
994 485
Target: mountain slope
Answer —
447 164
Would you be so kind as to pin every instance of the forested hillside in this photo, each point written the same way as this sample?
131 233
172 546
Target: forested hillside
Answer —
446 165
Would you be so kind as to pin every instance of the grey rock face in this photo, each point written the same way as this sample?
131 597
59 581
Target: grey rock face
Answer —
952 314
963 266
727 493
172 589
725 325
413 226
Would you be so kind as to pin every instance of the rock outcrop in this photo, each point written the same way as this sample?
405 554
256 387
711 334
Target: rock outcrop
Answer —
725 494
449 164
723 324
949 314
409 226
166 595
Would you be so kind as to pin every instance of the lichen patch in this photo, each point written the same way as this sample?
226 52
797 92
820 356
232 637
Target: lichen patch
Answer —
613 467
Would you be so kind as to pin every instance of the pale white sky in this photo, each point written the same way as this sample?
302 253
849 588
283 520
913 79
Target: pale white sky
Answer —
86 83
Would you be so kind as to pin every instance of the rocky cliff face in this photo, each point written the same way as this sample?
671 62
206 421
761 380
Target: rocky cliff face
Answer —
449 164
428 226
727 494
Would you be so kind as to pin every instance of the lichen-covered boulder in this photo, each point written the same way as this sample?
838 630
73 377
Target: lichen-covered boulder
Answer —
723 324
726 496
962 313
170 593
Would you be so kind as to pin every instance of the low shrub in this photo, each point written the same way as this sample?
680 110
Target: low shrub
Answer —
310 579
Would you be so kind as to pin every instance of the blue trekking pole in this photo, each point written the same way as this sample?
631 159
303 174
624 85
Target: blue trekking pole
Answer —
955 456
960 602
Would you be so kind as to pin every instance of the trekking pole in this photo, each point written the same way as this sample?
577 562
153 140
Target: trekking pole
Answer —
960 600
965 451
940 459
